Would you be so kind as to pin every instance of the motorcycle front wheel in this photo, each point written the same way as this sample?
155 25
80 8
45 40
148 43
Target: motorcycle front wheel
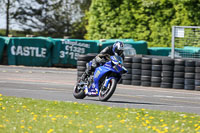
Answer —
106 93
78 93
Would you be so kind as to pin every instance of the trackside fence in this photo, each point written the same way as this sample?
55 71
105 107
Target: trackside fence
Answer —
185 42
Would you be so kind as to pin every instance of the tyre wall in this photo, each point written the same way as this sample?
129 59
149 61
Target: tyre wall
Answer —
197 76
154 72
162 72
126 78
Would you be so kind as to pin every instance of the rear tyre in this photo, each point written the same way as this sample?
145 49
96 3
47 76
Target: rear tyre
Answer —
105 94
78 93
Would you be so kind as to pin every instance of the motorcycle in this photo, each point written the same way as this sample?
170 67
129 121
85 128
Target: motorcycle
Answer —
103 82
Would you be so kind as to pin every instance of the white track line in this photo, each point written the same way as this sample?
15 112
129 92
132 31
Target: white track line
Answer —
159 90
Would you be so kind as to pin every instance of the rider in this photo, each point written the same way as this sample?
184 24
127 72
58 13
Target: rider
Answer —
115 49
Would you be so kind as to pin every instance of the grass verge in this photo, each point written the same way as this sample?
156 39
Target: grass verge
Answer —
25 115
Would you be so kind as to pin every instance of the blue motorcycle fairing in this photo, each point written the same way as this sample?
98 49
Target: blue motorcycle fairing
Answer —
113 67
107 81
100 71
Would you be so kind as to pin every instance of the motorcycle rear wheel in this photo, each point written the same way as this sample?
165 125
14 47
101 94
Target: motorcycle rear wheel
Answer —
78 93
105 94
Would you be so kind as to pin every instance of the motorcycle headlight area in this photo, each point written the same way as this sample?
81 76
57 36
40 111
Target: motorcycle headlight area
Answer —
116 68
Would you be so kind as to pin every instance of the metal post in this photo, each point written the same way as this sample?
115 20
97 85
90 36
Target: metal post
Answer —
173 47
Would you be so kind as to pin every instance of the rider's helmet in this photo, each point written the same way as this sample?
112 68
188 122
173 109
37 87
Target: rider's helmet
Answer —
118 48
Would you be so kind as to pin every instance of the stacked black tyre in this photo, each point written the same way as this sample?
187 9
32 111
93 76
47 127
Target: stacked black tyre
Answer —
189 75
81 63
126 78
156 72
136 71
146 72
179 74
197 76
167 73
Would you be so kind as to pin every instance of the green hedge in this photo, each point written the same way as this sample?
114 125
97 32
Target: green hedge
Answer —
149 20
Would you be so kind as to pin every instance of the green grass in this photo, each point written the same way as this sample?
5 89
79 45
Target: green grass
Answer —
17 33
12 32
21 115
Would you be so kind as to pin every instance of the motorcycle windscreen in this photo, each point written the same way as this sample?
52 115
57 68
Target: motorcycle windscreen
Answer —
117 59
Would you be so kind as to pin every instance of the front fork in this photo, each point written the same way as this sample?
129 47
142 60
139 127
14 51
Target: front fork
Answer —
91 91
107 81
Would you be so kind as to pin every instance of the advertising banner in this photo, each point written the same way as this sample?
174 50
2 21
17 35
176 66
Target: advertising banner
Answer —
29 51
66 51
2 45
3 42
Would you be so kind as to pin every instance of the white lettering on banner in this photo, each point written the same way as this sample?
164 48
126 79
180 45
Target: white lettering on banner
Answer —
79 44
72 51
72 55
19 51
75 49
32 51
28 51
43 52
13 50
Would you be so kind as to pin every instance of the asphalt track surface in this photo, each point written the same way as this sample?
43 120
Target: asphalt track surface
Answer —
57 84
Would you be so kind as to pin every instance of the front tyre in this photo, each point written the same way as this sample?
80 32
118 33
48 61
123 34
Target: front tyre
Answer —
106 93
78 93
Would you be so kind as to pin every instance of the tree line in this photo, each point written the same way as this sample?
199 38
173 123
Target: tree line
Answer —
55 18
149 20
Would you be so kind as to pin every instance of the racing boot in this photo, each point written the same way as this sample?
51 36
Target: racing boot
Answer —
84 76
87 73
